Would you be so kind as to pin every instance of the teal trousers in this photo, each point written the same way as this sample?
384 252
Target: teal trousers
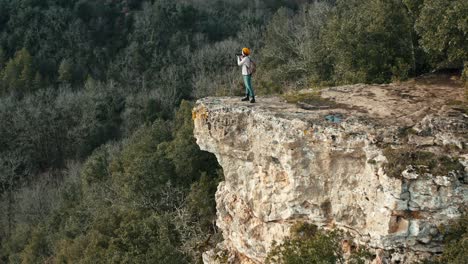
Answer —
248 85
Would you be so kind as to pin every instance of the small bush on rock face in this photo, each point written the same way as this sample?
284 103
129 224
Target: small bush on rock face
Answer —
308 245
456 243
399 159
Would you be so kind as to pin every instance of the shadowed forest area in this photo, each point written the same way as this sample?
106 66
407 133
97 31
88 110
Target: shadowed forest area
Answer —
98 163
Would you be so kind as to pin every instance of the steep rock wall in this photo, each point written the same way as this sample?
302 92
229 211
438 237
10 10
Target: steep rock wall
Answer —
285 163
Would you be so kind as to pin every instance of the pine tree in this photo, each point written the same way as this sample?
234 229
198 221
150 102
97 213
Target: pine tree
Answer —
2 59
38 81
19 73
65 72
10 76
25 62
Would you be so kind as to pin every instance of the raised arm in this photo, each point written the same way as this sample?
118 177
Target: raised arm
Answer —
240 61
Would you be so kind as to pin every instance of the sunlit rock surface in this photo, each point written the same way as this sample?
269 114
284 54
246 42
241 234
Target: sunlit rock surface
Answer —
324 164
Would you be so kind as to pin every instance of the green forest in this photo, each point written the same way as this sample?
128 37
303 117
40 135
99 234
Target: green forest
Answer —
98 163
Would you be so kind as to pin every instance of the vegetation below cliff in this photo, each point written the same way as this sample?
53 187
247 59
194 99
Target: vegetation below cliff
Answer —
147 197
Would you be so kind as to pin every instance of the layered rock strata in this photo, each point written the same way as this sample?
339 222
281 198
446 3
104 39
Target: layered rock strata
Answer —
328 161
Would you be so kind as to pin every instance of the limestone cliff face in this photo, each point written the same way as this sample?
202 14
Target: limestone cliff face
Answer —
329 165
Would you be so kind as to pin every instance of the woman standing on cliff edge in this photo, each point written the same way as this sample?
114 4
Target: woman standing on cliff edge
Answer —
248 67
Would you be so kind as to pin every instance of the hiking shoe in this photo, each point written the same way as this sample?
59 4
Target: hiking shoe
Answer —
245 98
253 100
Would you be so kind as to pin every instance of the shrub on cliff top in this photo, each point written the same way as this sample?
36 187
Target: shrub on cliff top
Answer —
443 27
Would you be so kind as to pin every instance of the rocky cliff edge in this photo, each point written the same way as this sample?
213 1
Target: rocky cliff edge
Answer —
387 163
